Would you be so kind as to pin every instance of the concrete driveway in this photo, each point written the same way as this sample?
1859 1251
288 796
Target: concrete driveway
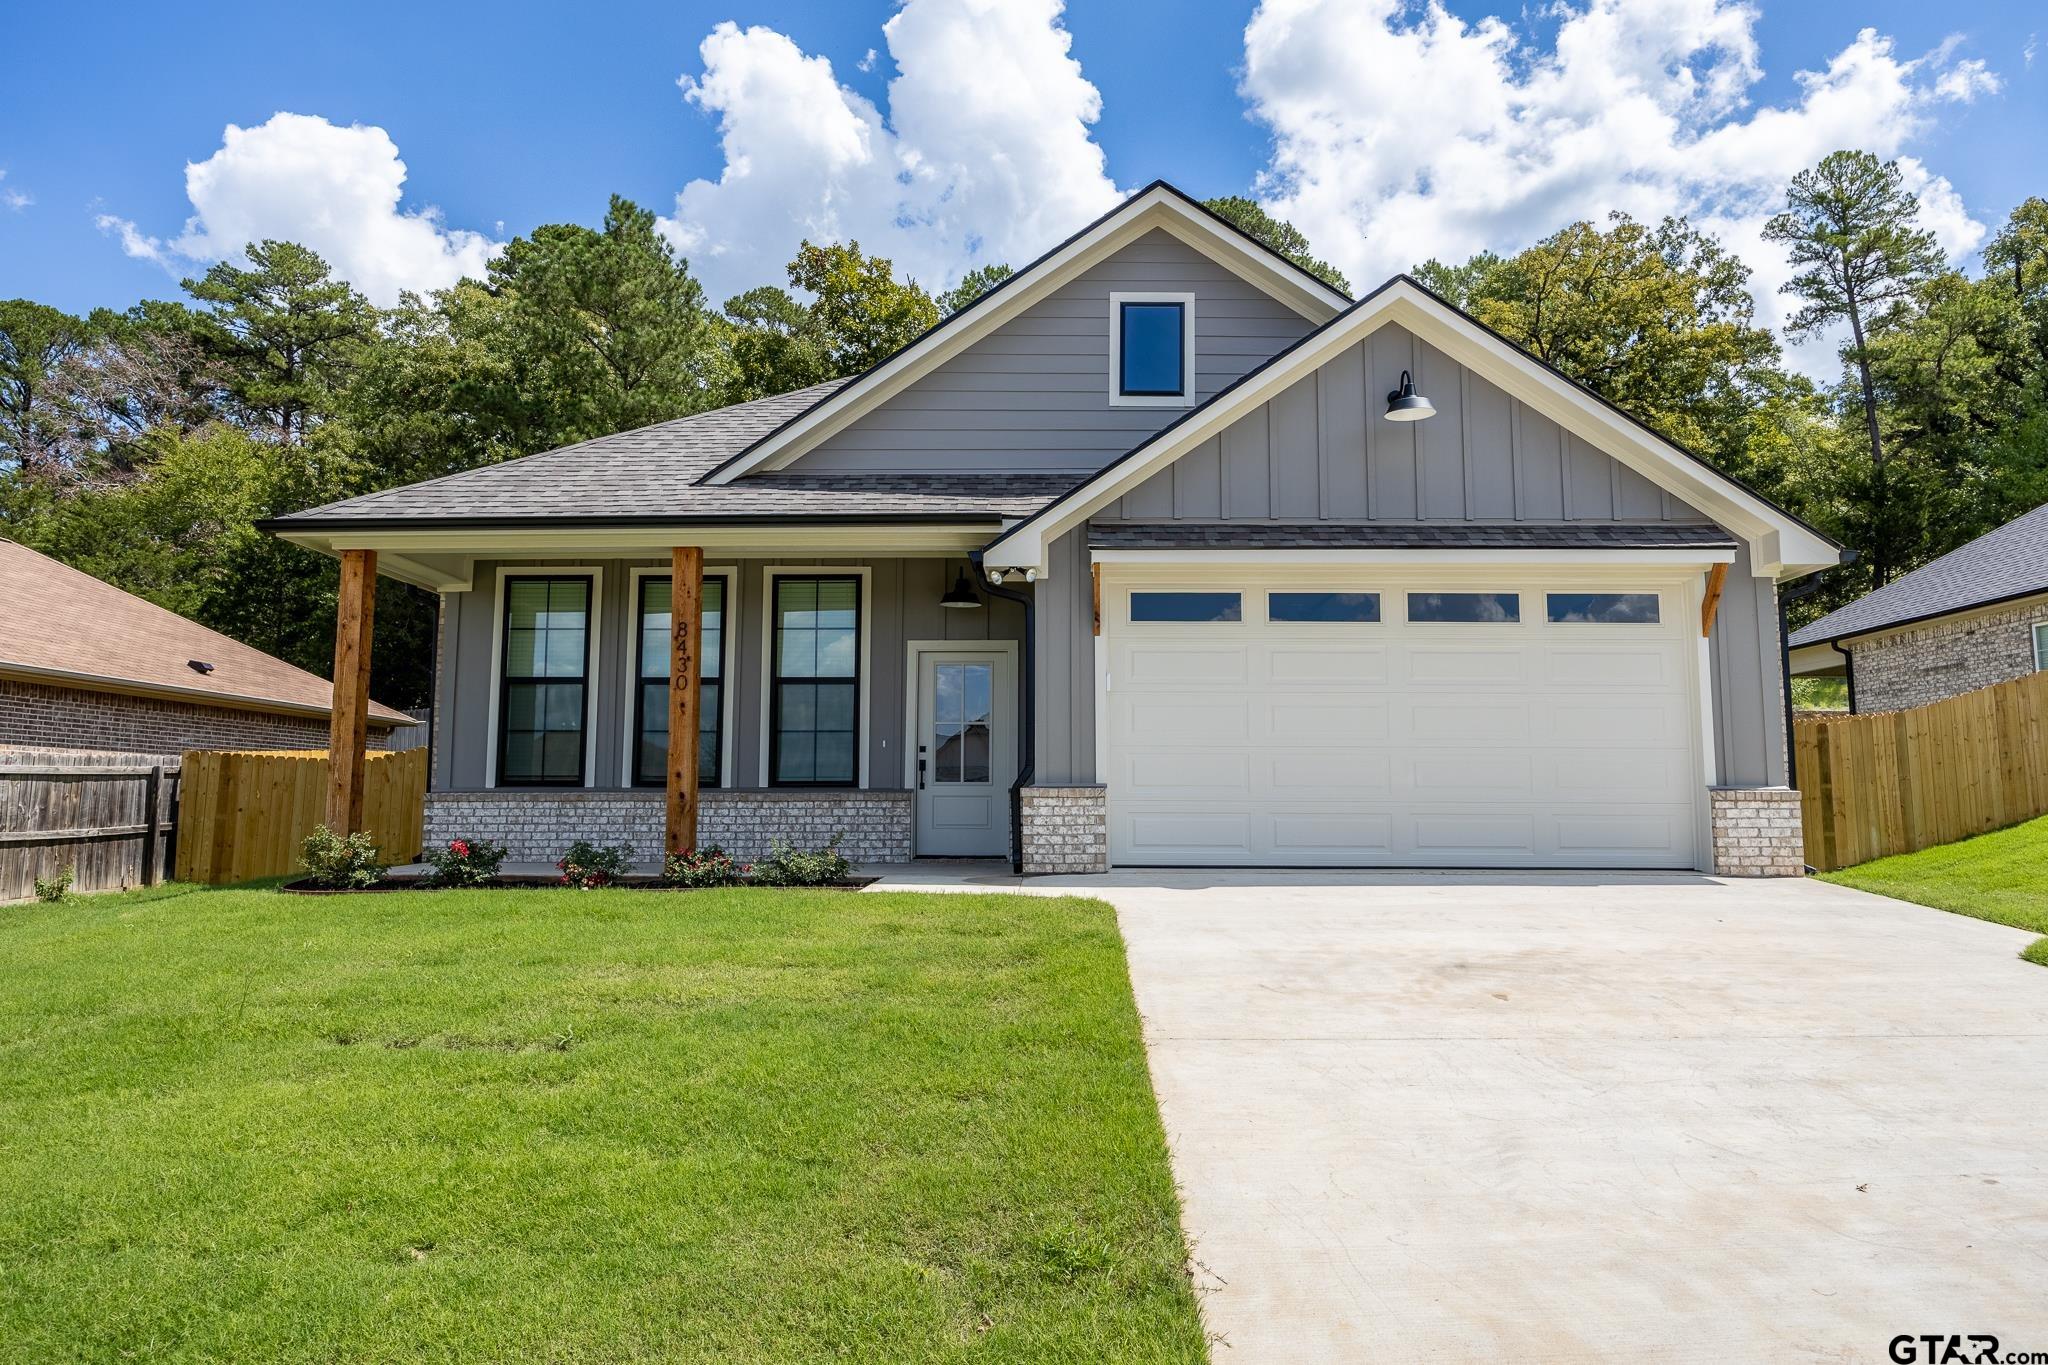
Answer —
1577 1117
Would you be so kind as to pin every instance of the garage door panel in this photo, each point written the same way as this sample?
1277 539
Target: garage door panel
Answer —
1471 666
1180 666
1324 773
1528 744
1173 772
1595 669
1309 666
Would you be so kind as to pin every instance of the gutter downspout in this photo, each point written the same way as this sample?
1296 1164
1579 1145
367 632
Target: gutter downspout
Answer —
1785 599
1848 670
1027 705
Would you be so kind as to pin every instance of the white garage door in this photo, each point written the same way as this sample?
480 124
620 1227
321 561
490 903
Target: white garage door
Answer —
1412 721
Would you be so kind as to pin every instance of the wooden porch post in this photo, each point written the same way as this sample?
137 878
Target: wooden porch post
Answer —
686 605
348 724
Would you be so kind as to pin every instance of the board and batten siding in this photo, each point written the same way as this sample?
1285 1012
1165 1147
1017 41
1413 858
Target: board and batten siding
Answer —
903 606
1033 396
1323 451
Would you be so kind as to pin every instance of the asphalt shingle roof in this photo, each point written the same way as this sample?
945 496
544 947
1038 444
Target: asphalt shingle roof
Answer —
1183 535
652 475
2011 561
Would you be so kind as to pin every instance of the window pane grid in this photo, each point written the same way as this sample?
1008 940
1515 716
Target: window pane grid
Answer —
650 749
815 693
544 677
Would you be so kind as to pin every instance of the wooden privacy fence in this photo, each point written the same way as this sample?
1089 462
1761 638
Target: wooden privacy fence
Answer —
1904 780
109 817
243 815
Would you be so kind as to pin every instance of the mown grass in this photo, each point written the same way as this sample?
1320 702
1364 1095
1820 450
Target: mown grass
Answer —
2001 877
606 1126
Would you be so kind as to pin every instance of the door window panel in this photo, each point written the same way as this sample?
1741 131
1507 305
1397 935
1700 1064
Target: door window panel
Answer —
960 722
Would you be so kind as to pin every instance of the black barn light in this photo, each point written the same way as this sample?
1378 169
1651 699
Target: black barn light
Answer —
961 596
1406 405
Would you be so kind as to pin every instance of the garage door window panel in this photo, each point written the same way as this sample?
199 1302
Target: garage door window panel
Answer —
1465 608
1186 608
1328 608
1602 608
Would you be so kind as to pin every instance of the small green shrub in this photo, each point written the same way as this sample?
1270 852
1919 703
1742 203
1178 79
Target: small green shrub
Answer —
701 867
466 862
787 866
585 865
335 863
58 888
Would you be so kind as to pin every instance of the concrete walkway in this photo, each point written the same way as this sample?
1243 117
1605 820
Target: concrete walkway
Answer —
1561 1118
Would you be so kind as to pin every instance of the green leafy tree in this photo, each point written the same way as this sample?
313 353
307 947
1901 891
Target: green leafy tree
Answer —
1851 232
863 313
775 344
1461 286
36 342
285 332
1282 236
972 286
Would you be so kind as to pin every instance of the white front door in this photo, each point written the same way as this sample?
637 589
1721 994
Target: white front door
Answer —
966 751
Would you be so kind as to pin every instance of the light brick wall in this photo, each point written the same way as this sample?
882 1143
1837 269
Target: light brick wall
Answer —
1757 832
539 826
1065 829
73 718
1946 658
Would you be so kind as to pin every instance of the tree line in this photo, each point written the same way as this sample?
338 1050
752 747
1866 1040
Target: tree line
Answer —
142 446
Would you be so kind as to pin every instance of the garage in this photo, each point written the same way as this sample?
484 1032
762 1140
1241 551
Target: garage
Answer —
1426 716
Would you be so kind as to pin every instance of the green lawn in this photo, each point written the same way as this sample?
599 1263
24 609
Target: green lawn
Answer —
607 1126
2002 877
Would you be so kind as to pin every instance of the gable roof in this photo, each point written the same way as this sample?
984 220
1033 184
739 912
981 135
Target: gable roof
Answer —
2009 562
68 629
1780 544
653 475
1157 206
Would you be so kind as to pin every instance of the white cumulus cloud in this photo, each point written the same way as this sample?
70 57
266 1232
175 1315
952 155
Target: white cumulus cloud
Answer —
1401 134
334 189
14 198
985 153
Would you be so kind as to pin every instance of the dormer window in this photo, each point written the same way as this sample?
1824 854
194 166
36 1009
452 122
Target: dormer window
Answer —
1151 349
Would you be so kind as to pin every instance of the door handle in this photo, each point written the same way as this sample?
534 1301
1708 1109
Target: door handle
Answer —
920 773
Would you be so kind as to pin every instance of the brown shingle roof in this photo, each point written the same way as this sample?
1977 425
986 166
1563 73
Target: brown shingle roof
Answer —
71 629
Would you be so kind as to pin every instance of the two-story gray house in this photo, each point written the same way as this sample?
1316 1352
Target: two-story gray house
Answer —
1162 553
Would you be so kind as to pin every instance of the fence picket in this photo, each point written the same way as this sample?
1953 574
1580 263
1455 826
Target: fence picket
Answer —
243 815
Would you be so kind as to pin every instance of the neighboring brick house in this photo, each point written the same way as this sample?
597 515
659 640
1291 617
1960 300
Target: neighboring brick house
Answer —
1974 617
86 666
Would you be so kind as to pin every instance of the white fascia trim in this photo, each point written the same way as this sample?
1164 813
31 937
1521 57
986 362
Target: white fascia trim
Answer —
752 542
1585 559
1779 546
1119 399
1156 208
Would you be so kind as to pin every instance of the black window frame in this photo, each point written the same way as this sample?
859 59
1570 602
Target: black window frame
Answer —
1123 336
506 680
641 682
776 678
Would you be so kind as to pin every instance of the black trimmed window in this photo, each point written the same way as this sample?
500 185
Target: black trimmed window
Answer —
1152 341
544 696
1601 608
1490 608
814 688
2041 646
650 688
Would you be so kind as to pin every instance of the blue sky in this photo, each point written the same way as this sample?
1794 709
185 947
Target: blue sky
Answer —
509 116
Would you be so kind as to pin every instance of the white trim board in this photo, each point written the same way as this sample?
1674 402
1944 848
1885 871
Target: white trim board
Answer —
1535 559
727 640
1780 546
593 675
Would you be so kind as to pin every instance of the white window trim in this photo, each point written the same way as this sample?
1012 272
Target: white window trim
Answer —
1183 399
2041 646
731 575
592 681
867 640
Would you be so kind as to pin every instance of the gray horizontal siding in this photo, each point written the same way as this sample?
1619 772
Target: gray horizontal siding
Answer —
1033 397
1323 451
